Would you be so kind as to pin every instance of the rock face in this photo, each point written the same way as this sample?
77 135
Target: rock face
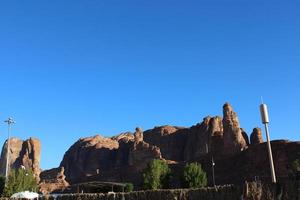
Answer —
87 155
234 142
204 138
53 180
170 139
141 152
96 155
26 153
122 158
256 136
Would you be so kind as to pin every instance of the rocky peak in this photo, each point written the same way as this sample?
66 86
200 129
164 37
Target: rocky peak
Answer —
256 136
234 141
204 138
124 137
99 142
138 135
22 153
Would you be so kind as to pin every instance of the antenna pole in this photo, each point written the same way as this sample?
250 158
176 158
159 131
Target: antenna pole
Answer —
265 121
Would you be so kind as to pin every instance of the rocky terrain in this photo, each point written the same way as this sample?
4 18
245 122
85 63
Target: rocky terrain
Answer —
122 158
22 153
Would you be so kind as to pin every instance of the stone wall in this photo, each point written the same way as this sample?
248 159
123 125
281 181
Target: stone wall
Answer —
289 190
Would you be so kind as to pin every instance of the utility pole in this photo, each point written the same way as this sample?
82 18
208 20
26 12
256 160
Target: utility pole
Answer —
213 170
212 165
265 121
9 122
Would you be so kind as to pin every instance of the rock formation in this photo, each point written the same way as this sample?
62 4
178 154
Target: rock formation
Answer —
89 156
26 153
202 138
234 141
170 139
53 180
138 135
256 136
123 157
141 152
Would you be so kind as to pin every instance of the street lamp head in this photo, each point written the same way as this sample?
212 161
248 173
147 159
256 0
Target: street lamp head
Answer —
10 121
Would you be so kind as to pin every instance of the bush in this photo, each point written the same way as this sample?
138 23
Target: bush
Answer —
296 165
156 175
2 184
128 187
193 176
20 180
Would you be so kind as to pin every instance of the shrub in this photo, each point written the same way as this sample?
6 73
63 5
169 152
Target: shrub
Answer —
2 184
128 187
193 176
20 180
156 175
296 165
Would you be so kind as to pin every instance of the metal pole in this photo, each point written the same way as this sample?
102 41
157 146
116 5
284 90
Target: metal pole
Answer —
270 154
9 121
7 152
265 120
213 170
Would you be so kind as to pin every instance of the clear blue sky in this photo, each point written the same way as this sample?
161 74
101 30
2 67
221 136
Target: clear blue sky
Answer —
71 69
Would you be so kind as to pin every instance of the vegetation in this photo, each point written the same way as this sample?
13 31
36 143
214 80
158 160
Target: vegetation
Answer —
296 165
156 175
2 184
20 180
128 187
193 176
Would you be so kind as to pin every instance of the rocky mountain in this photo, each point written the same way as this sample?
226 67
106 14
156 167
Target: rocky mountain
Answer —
122 158
22 153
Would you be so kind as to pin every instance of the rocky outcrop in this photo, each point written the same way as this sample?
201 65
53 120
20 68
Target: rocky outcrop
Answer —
171 140
138 135
142 152
93 156
53 180
204 138
256 136
234 142
122 158
89 156
22 153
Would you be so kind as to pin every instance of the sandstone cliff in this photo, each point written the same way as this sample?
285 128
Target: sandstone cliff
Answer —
234 141
26 153
122 158
53 180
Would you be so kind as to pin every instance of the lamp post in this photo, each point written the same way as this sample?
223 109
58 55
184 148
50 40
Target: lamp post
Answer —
212 165
265 121
9 122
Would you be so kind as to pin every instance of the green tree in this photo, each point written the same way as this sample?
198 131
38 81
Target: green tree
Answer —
156 175
296 165
193 176
20 180
128 187
2 184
